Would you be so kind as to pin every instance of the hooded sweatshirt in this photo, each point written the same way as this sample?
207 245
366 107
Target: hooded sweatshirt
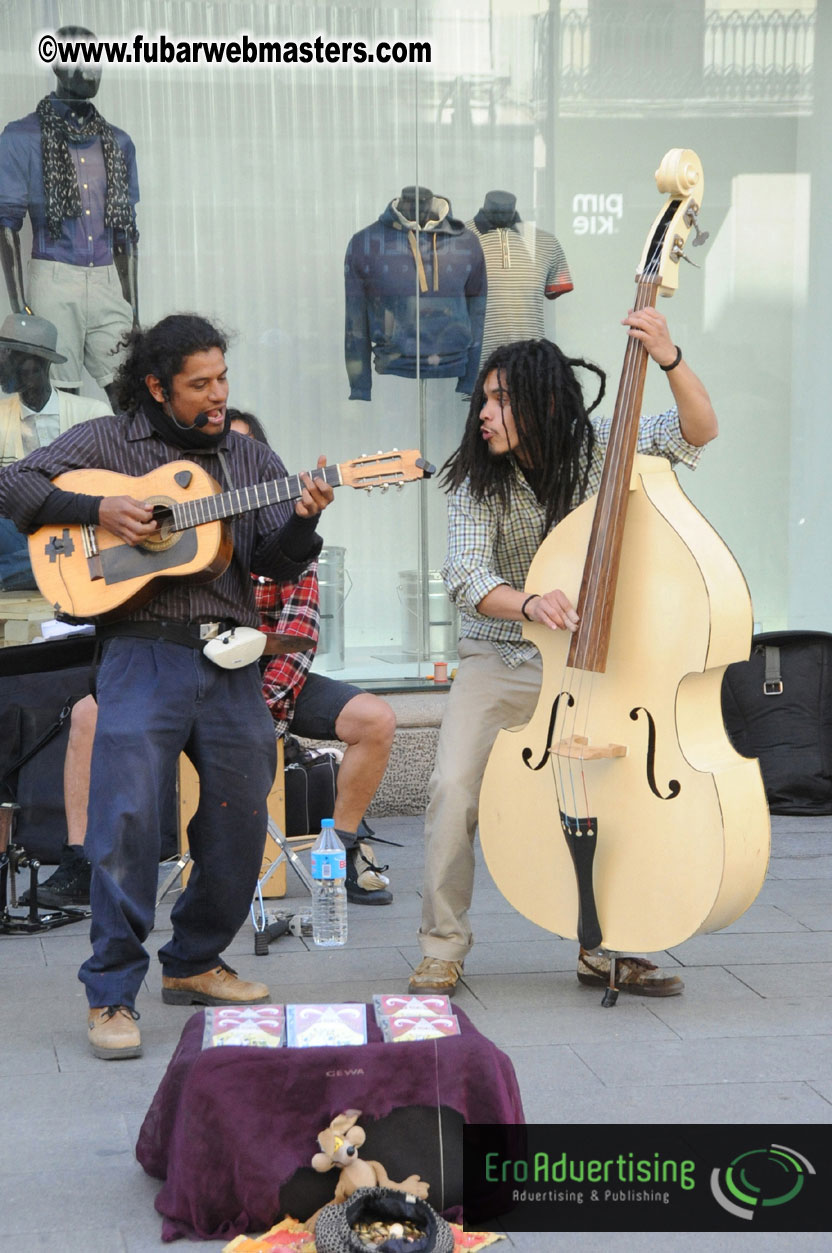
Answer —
415 299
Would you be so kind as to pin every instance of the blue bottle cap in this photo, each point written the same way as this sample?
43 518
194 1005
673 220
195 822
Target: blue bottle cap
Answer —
327 822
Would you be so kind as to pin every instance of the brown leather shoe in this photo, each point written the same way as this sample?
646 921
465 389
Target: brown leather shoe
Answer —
216 987
433 974
632 974
113 1032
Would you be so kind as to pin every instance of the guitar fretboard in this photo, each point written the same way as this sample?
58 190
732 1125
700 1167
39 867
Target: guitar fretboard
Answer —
244 499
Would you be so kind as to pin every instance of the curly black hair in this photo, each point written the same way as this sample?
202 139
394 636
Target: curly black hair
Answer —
552 422
161 351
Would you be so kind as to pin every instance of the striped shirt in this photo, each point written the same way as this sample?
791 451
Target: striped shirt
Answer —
487 548
128 444
523 266
288 609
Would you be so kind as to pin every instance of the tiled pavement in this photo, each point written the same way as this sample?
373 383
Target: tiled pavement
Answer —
749 1041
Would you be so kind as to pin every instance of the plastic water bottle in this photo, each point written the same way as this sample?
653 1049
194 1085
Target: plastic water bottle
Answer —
329 902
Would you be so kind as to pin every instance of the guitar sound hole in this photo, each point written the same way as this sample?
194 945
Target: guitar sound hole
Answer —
163 516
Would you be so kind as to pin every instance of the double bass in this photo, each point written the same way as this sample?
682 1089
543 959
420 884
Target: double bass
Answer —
620 814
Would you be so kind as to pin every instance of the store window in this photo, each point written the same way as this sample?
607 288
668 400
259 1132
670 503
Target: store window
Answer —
364 229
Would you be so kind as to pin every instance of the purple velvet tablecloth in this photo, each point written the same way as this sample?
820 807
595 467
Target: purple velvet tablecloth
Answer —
228 1127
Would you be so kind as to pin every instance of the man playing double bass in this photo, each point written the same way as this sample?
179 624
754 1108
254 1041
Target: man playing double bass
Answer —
530 453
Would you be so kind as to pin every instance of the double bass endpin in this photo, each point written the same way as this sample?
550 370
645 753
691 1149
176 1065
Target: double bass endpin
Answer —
611 991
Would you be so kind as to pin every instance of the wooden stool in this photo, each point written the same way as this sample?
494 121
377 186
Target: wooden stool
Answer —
188 794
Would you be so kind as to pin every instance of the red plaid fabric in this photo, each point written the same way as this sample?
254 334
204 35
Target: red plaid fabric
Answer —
288 609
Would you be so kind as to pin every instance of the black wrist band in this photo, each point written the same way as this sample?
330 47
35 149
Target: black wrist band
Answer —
674 362
534 596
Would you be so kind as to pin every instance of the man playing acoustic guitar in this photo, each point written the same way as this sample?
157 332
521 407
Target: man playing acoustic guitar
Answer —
158 693
529 454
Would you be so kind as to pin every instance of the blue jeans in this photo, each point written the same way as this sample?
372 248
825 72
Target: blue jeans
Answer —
15 566
156 699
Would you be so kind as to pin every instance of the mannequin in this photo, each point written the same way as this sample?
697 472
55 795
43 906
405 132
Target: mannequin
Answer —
415 288
32 414
415 203
500 207
525 265
86 283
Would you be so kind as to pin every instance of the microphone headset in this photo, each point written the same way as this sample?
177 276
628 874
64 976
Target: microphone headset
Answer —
199 421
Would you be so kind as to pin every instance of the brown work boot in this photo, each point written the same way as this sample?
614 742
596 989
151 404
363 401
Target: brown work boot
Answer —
113 1032
632 974
219 986
434 974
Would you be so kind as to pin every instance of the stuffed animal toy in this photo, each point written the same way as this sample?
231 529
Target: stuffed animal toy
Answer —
339 1144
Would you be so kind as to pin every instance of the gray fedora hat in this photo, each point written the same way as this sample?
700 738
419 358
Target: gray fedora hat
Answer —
25 332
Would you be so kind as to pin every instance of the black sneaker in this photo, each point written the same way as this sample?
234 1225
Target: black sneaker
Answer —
70 883
366 881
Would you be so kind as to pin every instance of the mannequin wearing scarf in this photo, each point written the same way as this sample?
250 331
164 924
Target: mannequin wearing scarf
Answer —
75 175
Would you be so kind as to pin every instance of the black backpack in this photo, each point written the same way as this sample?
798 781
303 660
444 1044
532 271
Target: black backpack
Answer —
777 706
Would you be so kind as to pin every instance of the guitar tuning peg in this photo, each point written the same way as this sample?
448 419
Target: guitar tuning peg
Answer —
379 452
700 237
400 487
384 488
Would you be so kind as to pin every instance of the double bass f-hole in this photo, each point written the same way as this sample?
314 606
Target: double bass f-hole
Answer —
673 784
527 752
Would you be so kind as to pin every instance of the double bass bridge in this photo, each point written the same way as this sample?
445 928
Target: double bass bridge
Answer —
579 748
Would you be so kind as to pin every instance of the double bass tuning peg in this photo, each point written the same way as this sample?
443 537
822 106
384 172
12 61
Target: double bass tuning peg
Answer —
677 252
691 220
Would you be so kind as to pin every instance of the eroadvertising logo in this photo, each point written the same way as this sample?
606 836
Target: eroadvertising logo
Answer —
760 1177
545 1177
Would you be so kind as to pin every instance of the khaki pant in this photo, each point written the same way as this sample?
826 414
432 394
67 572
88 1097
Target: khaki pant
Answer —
87 306
485 696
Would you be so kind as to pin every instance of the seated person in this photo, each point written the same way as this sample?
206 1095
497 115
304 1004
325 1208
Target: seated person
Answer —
321 708
32 414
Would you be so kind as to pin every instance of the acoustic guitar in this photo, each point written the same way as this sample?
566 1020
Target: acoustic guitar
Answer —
86 572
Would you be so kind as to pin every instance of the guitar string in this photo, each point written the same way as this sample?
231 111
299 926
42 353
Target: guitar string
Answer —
186 509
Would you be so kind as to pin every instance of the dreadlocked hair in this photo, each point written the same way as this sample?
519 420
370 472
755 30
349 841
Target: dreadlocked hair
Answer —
161 351
552 422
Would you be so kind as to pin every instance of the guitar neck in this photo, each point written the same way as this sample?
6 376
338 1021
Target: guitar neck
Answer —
244 499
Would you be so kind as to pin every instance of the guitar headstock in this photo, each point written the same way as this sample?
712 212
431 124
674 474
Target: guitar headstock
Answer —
382 469
680 177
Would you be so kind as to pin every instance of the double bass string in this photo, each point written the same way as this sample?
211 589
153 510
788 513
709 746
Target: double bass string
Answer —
599 582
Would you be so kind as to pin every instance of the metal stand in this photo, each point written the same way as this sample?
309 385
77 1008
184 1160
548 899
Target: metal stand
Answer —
264 931
12 859
176 868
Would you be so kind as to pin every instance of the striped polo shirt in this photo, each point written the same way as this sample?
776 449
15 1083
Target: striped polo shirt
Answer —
524 265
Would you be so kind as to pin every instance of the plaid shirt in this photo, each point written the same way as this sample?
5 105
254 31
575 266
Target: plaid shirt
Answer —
486 549
288 609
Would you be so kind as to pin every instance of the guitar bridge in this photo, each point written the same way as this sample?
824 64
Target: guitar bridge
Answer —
89 541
